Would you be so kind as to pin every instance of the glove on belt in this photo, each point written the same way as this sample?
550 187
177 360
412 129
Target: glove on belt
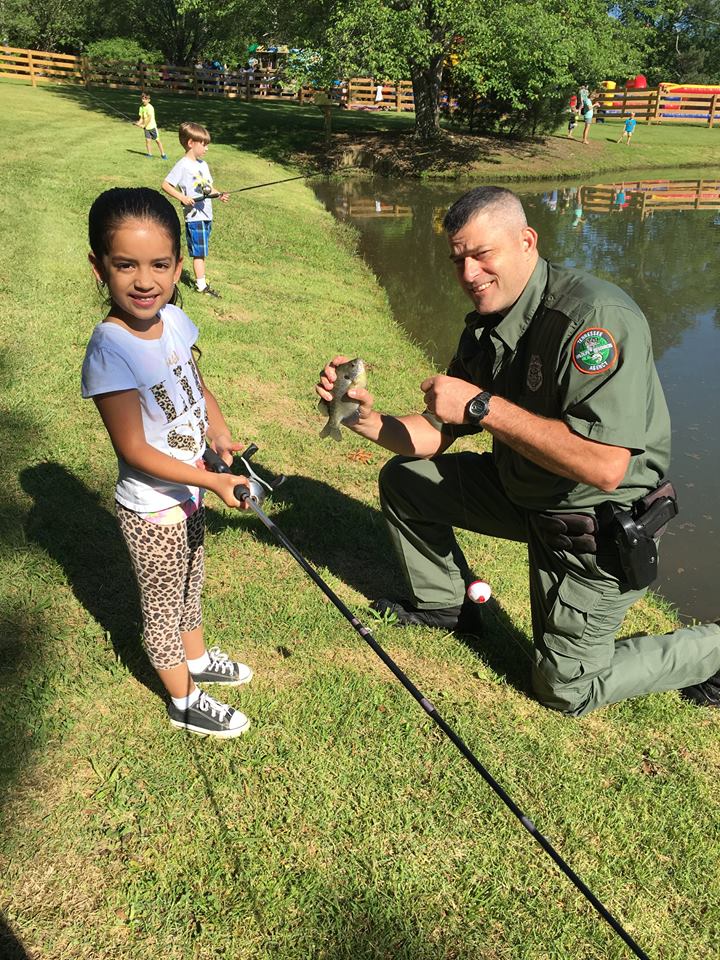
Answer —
574 532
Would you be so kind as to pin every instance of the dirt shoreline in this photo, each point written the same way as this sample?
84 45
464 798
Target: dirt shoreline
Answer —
485 159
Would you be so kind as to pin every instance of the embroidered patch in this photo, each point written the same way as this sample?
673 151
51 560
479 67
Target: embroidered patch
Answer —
534 374
594 351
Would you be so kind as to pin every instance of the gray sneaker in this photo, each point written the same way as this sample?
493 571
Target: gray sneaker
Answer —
209 718
222 669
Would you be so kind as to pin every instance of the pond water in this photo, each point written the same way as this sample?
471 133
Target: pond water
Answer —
656 236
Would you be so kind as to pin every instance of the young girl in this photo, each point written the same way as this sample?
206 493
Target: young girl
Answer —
140 371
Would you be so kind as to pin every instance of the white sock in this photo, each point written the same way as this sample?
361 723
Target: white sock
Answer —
199 663
201 283
182 703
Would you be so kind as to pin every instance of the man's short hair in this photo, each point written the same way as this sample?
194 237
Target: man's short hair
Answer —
192 131
497 200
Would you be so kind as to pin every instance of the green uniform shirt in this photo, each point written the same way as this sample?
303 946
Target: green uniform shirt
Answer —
147 116
578 349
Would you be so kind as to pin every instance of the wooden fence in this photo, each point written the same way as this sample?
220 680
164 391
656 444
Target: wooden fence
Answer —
42 66
659 106
647 196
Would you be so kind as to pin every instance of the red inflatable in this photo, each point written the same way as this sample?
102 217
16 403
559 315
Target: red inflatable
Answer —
637 83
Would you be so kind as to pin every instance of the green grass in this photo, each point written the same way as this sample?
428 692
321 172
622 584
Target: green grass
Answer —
342 826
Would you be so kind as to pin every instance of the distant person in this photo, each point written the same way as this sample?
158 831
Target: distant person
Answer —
191 182
572 119
141 370
629 130
620 200
379 97
587 108
148 123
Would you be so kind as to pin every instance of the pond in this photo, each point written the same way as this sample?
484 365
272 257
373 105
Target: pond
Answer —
658 237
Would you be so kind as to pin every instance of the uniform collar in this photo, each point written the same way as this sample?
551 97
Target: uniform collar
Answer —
513 325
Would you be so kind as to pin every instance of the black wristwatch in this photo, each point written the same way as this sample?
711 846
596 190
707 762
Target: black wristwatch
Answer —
478 408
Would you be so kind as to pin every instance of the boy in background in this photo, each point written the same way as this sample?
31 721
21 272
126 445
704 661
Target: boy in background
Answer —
147 121
630 125
191 182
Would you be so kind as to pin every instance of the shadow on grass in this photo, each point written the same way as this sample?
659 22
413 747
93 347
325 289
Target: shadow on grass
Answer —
10 947
293 133
68 521
27 657
350 539
273 130
329 528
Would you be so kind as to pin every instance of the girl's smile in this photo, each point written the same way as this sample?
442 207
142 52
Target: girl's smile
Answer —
140 271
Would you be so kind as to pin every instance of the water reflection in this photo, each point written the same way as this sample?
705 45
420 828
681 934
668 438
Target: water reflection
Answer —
659 239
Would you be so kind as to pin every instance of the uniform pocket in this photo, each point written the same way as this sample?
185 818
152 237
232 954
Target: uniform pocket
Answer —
566 627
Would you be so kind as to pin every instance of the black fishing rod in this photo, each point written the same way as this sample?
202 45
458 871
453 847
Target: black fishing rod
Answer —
254 496
210 193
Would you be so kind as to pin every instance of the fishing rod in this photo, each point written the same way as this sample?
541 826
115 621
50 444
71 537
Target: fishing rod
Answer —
254 497
210 193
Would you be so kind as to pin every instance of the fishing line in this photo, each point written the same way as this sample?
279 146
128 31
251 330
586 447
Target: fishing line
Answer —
253 500
109 106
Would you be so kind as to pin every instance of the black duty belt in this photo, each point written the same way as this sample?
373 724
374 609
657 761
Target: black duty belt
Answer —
634 532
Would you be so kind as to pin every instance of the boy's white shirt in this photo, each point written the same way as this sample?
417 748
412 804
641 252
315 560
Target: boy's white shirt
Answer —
173 408
190 176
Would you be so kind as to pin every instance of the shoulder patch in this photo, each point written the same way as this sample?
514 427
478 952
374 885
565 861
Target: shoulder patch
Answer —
594 350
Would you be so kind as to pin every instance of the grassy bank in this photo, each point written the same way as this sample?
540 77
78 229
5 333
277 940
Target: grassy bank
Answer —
383 141
341 826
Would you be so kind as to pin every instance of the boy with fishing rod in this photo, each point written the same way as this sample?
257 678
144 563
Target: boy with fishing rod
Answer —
141 370
191 182
147 122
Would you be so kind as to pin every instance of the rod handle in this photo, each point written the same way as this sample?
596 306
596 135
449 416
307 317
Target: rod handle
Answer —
218 465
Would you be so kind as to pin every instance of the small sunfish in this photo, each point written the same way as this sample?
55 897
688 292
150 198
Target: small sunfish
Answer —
342 409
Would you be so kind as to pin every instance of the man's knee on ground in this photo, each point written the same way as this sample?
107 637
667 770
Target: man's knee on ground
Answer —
556 691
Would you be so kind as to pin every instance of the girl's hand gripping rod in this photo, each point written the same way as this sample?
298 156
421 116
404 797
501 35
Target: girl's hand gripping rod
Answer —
259 489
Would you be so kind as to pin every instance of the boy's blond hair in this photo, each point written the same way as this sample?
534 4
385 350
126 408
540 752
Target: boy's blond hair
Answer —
192 131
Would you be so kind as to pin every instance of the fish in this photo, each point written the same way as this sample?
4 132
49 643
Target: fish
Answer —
350 375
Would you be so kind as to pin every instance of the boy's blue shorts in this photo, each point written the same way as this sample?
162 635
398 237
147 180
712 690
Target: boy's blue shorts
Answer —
197 234
151 134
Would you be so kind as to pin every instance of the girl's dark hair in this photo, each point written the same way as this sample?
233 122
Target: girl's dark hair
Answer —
113 207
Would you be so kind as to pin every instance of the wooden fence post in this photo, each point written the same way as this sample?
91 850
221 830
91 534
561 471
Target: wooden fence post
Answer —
31 65
398 96
657 116
142 77
624 103
195 80
713 107
85 70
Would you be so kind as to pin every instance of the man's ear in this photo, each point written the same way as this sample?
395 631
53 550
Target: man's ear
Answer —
529 240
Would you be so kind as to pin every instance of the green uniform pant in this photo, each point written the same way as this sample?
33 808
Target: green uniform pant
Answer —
577 602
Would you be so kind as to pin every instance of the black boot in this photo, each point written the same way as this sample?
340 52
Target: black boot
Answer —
464 618
705 694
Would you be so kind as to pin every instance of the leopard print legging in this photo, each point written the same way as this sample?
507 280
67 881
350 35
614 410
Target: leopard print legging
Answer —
169 564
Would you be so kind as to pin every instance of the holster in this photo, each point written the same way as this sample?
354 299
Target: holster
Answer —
634 532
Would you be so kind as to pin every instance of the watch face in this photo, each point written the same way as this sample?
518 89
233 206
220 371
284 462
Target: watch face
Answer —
478 407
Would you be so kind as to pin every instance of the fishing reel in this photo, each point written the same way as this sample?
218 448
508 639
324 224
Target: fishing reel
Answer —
259 489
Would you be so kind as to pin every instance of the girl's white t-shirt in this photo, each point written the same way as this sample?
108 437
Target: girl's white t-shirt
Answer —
166 378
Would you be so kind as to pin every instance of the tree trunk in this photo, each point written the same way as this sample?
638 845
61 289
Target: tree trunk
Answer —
426 90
